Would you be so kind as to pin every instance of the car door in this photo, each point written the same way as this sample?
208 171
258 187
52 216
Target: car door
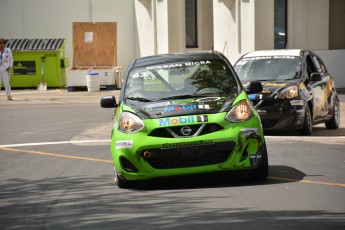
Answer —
316 88
326 85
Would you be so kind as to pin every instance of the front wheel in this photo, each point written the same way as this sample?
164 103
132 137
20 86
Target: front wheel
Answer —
333 123
307 124
261 172
122 183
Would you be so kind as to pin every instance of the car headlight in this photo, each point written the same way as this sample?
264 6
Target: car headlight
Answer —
130 123
240 112
288 93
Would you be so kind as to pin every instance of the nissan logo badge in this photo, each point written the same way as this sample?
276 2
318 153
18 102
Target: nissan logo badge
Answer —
186 130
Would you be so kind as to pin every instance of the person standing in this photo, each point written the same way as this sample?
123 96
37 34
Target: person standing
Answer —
6 61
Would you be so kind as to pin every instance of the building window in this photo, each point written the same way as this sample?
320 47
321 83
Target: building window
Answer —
280 24
191 23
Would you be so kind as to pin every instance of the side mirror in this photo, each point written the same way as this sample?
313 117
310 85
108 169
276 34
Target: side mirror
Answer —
108 102
254 87
316 76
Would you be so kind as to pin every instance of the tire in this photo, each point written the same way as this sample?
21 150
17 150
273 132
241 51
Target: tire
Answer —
122 183
334 122
261 172
307 127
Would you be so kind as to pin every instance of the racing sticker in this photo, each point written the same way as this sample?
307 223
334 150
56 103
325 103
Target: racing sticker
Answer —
296 102
168 121
179 108
123 144
185 107
202 118
177 65
187 143
208 99
255 96
207 107
269 57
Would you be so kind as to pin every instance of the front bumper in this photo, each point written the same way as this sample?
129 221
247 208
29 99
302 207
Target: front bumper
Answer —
283 115
234 148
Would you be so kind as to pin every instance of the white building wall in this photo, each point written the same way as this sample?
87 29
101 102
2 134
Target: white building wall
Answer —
162 31
264 24
53 19
206 25
308 24
177 31
225 28
144 11
243 26
247 25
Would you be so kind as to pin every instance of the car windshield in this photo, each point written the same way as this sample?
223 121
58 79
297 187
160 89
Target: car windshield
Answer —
181 80
268 68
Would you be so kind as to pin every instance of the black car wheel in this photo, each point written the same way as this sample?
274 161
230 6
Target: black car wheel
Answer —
333 123
121 183
307 124
261 172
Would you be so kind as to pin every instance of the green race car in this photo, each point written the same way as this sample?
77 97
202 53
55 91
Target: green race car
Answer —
184 114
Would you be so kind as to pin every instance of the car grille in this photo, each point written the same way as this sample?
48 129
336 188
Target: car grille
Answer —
188 156
196 130
266 121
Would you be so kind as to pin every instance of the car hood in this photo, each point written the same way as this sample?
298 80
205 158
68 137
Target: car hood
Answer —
180 107
271 88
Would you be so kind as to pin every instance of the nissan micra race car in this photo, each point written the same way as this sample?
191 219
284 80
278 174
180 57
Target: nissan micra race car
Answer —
181 114
298 90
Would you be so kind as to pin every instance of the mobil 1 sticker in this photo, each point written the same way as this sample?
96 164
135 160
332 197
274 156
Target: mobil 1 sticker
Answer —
168 121
202 118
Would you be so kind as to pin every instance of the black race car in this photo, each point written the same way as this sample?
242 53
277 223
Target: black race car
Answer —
298 92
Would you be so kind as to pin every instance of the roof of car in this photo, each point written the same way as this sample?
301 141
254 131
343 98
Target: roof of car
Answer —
282 52
177 57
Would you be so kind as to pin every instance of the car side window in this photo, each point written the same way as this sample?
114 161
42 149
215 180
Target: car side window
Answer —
311 68
319 64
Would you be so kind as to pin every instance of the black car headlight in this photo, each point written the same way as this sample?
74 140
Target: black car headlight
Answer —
130 123
288 93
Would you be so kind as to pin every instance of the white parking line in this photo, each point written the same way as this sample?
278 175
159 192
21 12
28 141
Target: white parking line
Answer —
305 138
98 141
53 143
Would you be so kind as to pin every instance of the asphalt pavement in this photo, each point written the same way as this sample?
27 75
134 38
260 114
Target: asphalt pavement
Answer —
56 95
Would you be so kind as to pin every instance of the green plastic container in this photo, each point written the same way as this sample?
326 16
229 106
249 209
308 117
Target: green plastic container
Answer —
29 55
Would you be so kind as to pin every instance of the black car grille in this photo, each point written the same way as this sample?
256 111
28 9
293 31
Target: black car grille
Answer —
188 156
173 132
268 120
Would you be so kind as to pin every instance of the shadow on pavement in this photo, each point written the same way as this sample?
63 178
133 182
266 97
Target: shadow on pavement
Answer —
95 203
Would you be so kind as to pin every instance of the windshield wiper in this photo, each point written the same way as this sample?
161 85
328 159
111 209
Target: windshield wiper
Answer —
138 99
183 96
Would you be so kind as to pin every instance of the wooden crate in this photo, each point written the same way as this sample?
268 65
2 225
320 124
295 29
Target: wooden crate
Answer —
94 49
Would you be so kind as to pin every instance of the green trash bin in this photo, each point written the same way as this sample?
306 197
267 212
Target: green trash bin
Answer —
27 67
